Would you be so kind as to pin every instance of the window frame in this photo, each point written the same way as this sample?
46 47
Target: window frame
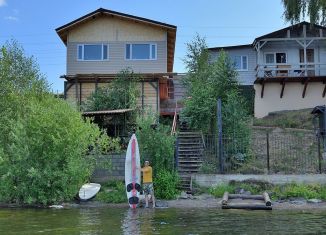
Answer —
274 55
93 44
241 63
150 51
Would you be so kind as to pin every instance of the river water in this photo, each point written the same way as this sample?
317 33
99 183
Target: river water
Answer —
160 221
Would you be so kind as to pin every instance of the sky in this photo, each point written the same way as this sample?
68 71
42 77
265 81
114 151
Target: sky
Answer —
222 22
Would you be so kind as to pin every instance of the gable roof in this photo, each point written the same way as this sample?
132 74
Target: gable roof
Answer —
284 30
62 31
230 47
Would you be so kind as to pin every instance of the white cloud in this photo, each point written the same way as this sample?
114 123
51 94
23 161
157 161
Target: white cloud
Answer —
2 3
11 18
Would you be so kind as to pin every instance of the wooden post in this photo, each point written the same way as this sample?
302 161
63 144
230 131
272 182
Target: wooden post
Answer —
220 135
319 153
267 149
267 199
225 198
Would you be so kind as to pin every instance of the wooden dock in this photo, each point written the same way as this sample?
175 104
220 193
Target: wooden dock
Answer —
248 202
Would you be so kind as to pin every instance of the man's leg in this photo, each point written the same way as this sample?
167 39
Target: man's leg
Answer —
146 200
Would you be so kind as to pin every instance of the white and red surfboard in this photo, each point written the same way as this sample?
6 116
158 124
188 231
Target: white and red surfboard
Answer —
132 172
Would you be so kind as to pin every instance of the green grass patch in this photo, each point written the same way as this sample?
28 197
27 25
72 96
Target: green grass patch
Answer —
112 192
301 119
307 191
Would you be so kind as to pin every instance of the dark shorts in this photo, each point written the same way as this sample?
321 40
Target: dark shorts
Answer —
148 188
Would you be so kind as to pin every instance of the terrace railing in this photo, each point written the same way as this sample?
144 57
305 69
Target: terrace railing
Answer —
291 70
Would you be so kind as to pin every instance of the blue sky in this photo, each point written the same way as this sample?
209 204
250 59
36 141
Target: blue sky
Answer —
32 23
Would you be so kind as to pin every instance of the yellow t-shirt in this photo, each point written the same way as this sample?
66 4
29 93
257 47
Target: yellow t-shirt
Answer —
147 174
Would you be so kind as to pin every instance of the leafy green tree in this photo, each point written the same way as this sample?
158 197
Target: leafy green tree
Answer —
44 143
205 82
121 93
296 10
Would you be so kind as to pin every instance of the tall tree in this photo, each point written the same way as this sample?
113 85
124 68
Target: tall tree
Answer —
297 10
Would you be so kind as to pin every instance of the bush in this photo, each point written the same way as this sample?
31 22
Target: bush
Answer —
43 140
219 190
166 184
114 192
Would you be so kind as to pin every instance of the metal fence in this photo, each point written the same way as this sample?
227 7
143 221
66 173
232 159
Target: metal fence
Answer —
265 152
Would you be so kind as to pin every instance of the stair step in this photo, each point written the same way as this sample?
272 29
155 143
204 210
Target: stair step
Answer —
190 161
190 143
189 132
191 146
189 154
190 150
187 170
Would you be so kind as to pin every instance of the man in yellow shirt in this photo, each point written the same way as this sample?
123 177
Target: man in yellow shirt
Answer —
148 182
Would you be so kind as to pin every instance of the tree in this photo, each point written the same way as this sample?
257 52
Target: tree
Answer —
205 82
45 144
296 10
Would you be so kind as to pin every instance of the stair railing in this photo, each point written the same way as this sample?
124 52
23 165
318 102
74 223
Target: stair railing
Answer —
174 124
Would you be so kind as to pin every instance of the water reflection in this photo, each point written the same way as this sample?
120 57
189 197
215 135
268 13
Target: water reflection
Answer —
89 221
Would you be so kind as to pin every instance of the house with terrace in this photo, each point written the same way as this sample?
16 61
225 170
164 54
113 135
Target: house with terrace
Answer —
104 42
287 68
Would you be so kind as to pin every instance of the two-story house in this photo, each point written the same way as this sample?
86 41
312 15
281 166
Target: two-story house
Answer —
104 42
287 68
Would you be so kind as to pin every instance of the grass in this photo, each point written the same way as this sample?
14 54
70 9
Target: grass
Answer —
112 192
306 191
301 119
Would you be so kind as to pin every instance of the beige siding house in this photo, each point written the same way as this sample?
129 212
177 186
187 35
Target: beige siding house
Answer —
104 42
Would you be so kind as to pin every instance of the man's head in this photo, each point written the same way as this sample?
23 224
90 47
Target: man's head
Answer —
146 163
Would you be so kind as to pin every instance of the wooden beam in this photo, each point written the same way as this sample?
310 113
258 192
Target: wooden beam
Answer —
65 90
283 86
324 91
305 87
262 89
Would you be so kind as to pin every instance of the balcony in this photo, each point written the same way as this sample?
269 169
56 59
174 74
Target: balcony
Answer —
295 71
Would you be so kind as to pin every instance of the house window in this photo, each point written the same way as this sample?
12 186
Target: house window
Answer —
278 58
141 51
93 52
240 62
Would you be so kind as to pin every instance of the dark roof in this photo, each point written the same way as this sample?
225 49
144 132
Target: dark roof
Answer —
230 47
102 10
276 33
62 31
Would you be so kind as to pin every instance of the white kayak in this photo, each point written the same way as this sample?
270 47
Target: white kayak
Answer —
132 172
88 191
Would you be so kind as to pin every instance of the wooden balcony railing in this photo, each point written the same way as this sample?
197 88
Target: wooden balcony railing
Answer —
291 70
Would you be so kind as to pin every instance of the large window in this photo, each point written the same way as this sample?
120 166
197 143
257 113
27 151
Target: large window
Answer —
278 58
141 52
93 52
240 62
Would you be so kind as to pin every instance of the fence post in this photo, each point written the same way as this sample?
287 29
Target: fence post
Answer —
220 135
319 154
267 148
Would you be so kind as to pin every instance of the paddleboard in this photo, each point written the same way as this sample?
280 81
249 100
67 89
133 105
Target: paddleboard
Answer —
132 172
88 191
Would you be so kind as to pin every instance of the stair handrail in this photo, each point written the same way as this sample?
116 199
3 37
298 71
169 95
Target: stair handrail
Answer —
174 123
202 137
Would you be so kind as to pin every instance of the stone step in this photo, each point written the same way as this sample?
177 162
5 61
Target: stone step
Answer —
181 170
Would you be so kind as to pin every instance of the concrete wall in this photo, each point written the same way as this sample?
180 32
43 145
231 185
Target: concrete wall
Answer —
205 180
117 172
291 100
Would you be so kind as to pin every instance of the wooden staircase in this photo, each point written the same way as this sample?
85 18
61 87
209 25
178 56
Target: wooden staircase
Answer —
190 148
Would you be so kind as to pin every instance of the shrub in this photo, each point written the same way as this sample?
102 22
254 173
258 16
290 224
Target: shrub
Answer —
114 192
43 140
166 184
219 190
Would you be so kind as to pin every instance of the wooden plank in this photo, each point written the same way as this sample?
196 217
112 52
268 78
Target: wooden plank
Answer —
244 196
247 207
262 89
324 91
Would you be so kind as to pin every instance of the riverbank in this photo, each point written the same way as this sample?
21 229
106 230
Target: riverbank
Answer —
193 202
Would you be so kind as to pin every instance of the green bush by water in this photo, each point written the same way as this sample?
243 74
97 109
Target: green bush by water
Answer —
113 192
166 184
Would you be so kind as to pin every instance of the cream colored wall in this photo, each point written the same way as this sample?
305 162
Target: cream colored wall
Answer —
150 97
292 97
112 29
